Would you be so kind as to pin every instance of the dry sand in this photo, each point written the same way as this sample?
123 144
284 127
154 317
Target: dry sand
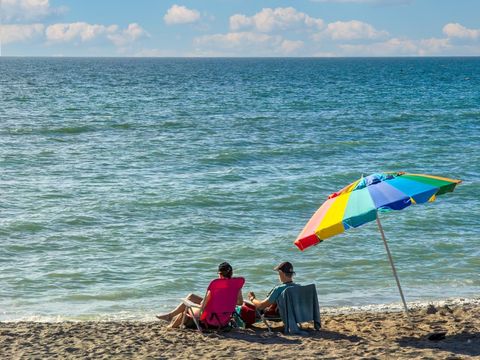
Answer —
373 335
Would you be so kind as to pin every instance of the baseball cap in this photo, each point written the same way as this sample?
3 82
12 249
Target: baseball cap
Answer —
285 267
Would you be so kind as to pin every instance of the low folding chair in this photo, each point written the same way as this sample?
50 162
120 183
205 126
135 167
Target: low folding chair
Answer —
296 305
221 306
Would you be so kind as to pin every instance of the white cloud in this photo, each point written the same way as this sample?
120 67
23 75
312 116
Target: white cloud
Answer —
433 46
180 15
291 46
399 47
455 30
237 39
17 33
390 47
156 53
270 19
239 21
25 9
127 36
87 32
324 54
245 44
352 30
74 31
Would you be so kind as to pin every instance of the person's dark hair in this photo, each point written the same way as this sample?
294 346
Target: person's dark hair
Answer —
225 269
285 267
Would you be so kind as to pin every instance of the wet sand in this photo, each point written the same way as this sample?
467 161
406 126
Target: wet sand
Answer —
364 334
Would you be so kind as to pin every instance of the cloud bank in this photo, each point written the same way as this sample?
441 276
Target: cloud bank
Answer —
269 31
285 31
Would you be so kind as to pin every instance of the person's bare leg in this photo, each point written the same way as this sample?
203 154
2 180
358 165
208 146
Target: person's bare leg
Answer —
176 321
180 308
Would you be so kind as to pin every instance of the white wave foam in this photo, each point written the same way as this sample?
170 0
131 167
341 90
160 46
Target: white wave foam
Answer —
150 316
397 307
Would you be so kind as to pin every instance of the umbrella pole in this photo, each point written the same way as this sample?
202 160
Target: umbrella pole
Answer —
393 269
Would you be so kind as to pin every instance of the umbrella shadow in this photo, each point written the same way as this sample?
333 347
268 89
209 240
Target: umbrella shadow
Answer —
460 344
262 336
333 335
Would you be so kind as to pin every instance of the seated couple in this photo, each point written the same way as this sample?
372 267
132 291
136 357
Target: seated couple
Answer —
177 317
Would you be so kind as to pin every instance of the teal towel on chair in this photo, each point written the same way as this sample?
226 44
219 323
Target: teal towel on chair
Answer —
299 304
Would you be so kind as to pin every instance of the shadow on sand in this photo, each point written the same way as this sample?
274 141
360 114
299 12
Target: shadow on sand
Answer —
460 344
262 336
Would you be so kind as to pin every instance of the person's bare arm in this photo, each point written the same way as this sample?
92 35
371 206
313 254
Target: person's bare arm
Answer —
205 301
239 298
259 304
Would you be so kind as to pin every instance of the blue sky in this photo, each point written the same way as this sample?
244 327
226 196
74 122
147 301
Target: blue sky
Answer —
240 28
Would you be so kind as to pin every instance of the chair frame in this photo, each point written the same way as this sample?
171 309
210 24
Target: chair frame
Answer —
189 306
269 318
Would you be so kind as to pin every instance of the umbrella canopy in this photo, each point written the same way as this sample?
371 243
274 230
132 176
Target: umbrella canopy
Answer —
358 203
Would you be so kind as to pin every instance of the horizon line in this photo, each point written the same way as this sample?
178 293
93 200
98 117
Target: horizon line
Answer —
241 57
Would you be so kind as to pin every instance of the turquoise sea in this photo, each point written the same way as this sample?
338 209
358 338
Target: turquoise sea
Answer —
125 182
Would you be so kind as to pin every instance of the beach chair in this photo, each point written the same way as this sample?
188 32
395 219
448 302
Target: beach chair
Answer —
219 310
296 305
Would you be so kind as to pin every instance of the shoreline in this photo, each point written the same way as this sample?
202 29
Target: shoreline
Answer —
398 307
377 334
143 317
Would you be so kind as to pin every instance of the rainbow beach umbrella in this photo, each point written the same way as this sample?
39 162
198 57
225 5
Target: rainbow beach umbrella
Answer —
360 202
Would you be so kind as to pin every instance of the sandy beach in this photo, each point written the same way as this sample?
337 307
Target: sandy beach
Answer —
358 334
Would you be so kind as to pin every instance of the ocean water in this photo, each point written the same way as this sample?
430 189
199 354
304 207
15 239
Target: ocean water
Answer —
125 182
